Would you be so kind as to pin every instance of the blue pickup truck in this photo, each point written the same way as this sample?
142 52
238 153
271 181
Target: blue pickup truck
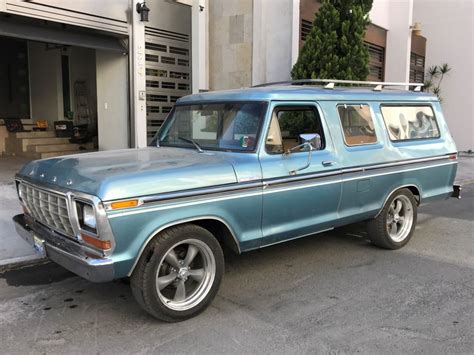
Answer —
243 170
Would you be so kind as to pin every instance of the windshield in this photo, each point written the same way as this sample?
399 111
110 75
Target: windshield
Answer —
215 126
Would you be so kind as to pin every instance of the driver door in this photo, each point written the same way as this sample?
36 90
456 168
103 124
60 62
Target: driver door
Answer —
298 202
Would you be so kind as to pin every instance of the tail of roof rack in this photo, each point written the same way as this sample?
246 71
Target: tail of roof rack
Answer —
331 83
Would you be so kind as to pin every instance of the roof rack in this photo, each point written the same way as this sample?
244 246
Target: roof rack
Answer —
331 83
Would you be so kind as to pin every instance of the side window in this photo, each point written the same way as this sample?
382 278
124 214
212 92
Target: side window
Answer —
410 122
288 123
357 124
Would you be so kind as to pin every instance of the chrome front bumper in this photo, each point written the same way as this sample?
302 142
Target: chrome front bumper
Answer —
65 252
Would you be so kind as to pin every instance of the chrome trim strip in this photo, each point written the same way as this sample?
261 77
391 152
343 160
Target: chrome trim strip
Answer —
274 181
175 223
205 191
132 211
206 199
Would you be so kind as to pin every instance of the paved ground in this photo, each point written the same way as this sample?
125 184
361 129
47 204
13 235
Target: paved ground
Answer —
331 293
12 248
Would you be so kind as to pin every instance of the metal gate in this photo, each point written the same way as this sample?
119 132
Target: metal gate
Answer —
168 73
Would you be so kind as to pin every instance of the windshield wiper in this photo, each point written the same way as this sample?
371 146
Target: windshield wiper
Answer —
198 147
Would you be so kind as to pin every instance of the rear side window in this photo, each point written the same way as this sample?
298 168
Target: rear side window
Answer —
410 122
357 124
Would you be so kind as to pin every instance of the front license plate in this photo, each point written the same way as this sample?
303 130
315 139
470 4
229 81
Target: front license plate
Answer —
39 246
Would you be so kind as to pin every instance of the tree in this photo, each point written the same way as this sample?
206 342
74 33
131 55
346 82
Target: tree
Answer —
335 47
436 73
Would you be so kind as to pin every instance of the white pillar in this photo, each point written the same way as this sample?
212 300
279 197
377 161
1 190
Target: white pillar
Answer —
195 48
295 32
397 60
138 79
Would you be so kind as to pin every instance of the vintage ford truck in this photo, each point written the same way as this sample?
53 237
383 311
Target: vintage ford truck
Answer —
239 169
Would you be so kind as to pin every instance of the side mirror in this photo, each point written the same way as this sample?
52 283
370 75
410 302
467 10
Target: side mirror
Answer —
312 138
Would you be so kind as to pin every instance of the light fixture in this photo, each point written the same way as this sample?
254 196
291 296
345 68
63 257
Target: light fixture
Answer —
416 29
143 10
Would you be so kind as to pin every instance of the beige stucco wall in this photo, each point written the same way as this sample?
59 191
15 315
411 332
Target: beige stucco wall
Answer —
230 44
449 29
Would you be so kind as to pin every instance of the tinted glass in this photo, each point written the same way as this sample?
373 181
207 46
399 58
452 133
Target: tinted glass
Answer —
223 126
410 122
357 124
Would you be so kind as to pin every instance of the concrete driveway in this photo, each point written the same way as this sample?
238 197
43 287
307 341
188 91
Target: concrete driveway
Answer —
329 293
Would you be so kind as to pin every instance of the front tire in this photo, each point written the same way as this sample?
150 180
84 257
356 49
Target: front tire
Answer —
394 226
179 274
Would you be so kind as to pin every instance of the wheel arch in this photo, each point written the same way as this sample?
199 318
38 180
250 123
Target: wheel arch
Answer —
415 190
215 225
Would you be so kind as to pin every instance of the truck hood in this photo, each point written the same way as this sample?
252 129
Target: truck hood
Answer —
126 173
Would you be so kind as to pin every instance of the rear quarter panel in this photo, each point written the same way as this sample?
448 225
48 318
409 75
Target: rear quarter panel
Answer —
364 192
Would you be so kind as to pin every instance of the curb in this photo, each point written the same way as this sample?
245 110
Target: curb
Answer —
22 261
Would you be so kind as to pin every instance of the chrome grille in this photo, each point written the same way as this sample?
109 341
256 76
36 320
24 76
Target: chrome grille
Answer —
47 208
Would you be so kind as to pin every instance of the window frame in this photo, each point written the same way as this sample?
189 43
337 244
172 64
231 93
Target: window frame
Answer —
205 102
427 104
287 106
372 115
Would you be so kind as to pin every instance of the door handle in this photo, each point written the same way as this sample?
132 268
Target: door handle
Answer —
328 163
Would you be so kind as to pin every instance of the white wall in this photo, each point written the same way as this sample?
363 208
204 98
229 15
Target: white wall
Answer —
448 27
396 16
272 46
112 100
46 95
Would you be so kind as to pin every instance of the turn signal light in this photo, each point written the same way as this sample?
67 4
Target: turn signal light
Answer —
124 204
100 244
453 157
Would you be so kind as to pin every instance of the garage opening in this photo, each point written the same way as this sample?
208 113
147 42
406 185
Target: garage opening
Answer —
49 79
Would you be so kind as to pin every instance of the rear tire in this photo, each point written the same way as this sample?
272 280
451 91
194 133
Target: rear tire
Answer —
179 273
395 224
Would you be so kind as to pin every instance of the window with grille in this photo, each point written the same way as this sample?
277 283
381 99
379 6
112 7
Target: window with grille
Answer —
376 62
306 27
417 68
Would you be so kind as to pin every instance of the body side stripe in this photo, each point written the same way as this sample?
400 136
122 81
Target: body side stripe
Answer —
276 181
266 190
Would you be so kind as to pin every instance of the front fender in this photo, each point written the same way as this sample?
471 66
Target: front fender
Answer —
133 228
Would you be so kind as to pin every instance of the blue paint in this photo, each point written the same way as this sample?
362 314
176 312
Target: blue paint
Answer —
265 214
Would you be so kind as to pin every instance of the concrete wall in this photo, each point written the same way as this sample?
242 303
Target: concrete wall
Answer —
449 28
45 83
112 100
230 44
272 40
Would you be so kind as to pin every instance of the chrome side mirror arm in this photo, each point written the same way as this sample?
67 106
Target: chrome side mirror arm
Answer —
308 163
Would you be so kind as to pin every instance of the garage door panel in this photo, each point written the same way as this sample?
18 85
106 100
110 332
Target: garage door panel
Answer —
168 73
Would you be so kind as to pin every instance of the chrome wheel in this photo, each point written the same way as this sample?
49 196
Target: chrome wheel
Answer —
399 218
185 274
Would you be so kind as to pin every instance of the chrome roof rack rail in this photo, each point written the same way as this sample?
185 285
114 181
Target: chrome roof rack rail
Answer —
331 83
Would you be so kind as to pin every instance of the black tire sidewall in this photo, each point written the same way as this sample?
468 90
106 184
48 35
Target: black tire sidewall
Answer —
393 244
163 244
